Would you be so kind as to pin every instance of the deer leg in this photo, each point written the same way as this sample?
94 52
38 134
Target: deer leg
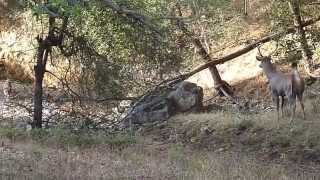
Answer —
276 100
302 105
292 100
282 105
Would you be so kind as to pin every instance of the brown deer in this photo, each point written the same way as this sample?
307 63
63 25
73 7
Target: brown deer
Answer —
290 85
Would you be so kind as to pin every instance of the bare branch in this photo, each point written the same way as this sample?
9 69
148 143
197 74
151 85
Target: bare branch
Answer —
231 56
65 84
314 3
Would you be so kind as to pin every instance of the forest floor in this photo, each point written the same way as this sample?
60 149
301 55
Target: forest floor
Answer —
216 145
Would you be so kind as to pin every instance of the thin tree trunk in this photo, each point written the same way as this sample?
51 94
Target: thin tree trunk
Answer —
38 89
306 52
224 59
44 48
229 57
246 7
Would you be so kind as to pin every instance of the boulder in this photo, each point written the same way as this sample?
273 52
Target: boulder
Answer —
187 96
183 97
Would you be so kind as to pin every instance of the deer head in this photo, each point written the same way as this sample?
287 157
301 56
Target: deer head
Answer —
264 59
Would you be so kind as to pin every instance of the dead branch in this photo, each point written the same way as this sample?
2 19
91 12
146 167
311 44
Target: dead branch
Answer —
314 3
64 83
238 53
221 86
215 61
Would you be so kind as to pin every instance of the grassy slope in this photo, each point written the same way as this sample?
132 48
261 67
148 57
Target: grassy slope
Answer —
216 145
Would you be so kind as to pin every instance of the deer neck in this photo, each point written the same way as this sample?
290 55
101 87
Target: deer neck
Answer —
270 71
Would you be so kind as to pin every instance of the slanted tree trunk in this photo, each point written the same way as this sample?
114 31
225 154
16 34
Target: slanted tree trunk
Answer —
220 85
306 52
231 56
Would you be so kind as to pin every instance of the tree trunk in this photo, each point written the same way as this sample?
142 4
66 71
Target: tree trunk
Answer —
44 47
220 85
38 73
39 70
229 57
246 7
306 52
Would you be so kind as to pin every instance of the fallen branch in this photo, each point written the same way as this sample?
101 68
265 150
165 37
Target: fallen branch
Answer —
216 61
220 85
170 82
314 3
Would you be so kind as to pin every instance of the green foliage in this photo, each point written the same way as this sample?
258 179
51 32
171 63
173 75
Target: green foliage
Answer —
282 18
280 15
134 56
58 7
127 45
11 133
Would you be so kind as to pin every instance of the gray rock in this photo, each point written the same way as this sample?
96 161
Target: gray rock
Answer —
23 125
184 97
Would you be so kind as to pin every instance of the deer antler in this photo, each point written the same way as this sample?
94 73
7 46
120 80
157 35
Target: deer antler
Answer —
269 55
259 51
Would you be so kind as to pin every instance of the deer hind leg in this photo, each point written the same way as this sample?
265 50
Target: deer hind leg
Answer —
302 105
292 101
282 105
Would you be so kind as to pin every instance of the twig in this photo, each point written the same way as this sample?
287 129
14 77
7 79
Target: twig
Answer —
314 3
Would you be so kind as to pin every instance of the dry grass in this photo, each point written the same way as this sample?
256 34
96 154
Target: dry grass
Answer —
205 146
257 133
215 146
15 70
30 161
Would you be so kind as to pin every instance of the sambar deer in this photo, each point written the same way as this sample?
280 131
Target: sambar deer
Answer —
290 85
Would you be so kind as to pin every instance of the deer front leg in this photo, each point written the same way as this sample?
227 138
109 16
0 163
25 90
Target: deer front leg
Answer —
302 105
276 100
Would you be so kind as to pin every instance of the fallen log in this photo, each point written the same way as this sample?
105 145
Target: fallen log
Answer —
216 61
220 85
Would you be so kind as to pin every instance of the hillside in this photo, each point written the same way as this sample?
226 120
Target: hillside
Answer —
108 63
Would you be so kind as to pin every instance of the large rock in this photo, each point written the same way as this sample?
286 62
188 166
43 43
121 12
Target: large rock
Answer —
187 96
184 97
